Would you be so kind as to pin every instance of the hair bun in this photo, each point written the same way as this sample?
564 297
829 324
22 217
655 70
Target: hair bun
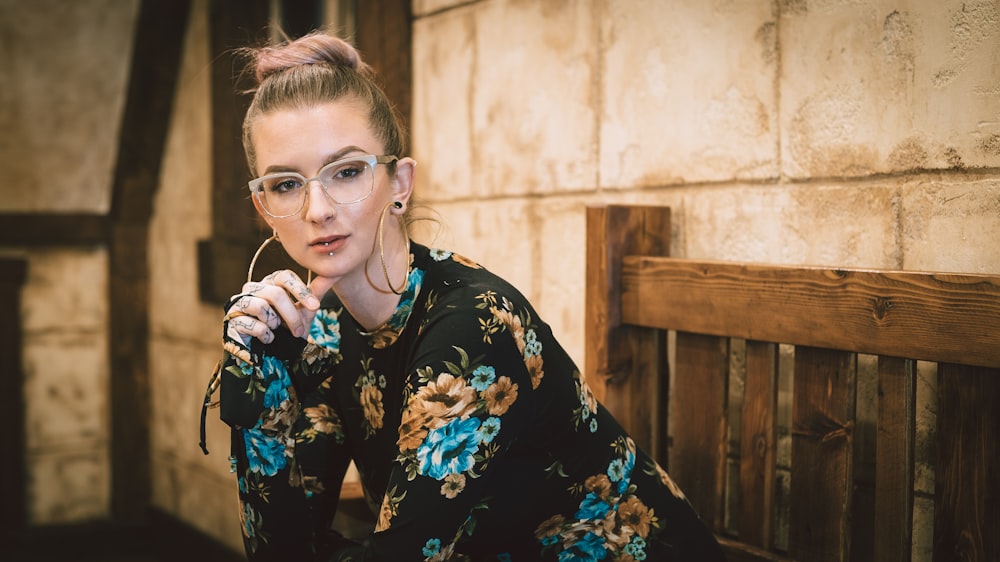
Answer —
315 48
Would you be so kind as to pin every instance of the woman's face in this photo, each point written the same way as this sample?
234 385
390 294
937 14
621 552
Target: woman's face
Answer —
329 239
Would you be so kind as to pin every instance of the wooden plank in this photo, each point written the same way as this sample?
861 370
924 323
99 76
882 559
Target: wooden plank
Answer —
928 316
823 412
758 445
13 494
53 229
700 389
613 231
894 458
633 397
967 489
159 36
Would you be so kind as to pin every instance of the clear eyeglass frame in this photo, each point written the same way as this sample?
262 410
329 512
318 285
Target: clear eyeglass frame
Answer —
256 186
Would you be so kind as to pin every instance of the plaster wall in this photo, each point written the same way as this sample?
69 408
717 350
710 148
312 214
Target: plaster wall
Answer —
64 72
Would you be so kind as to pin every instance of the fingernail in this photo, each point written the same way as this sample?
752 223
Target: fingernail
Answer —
312 303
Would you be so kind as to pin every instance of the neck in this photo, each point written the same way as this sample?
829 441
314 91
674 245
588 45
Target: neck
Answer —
368 298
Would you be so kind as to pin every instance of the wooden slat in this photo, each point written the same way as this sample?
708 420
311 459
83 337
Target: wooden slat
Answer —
613 231
929 316
633 398
823 412
700 389
758 445
894 458
967 488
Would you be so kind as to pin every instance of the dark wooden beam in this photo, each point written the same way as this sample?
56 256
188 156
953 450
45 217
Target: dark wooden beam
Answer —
13 499
236 231
53 229
384 30
159 37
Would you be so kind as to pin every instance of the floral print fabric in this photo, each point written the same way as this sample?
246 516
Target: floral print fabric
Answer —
472 430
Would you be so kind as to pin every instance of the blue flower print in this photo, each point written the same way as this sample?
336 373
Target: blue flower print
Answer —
636 548
593 425
616 470
588 549
278 382
489 430
531 344
504 557
449 449
432 547
325 330
483 377
592 507
265 454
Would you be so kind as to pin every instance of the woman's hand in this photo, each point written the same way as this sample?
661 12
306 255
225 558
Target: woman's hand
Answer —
280 298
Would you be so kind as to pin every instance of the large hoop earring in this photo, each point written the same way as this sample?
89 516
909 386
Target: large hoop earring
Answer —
256 255
253 261
381 248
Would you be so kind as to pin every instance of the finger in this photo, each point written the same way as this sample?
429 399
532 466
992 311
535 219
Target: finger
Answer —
320 286
251 305
250 326
283 290
299 291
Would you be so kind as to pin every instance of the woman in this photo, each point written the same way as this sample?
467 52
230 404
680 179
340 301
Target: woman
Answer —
473 432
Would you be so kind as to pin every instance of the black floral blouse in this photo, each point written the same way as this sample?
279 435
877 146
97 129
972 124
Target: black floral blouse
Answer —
471 428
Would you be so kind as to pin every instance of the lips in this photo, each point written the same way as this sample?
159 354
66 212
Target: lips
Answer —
328 243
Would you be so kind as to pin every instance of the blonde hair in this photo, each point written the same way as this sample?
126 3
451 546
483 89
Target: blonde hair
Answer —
315 69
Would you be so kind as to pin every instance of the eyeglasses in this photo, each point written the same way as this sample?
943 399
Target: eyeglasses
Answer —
345 181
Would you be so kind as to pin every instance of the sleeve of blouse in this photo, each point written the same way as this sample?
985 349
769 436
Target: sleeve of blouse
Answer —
471 392
290 458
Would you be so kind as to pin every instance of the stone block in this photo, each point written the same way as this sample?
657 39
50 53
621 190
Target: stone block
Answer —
878 87
835 225
68 485
442 115
534 102
951 225
687 93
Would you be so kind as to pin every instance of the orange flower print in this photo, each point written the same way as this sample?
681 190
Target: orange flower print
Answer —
453 485
465 261
550 527
413 428
632 513
371 404
534 365
599 484
323 419
446 398
500 395
513 324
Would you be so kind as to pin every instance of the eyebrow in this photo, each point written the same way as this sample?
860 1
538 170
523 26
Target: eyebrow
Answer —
328 160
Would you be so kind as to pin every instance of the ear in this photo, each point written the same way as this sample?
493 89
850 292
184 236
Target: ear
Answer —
402 182
260 211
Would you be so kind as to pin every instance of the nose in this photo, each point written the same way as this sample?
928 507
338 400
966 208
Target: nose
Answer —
318 207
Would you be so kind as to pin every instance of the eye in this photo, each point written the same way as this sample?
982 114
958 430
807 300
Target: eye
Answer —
282 184
348 171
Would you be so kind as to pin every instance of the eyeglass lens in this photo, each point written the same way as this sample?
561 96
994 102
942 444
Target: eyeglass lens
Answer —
344 182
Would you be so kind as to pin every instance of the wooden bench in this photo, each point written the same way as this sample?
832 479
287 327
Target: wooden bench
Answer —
647 312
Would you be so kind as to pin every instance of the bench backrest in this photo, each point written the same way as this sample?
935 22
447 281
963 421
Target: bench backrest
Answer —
646 311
